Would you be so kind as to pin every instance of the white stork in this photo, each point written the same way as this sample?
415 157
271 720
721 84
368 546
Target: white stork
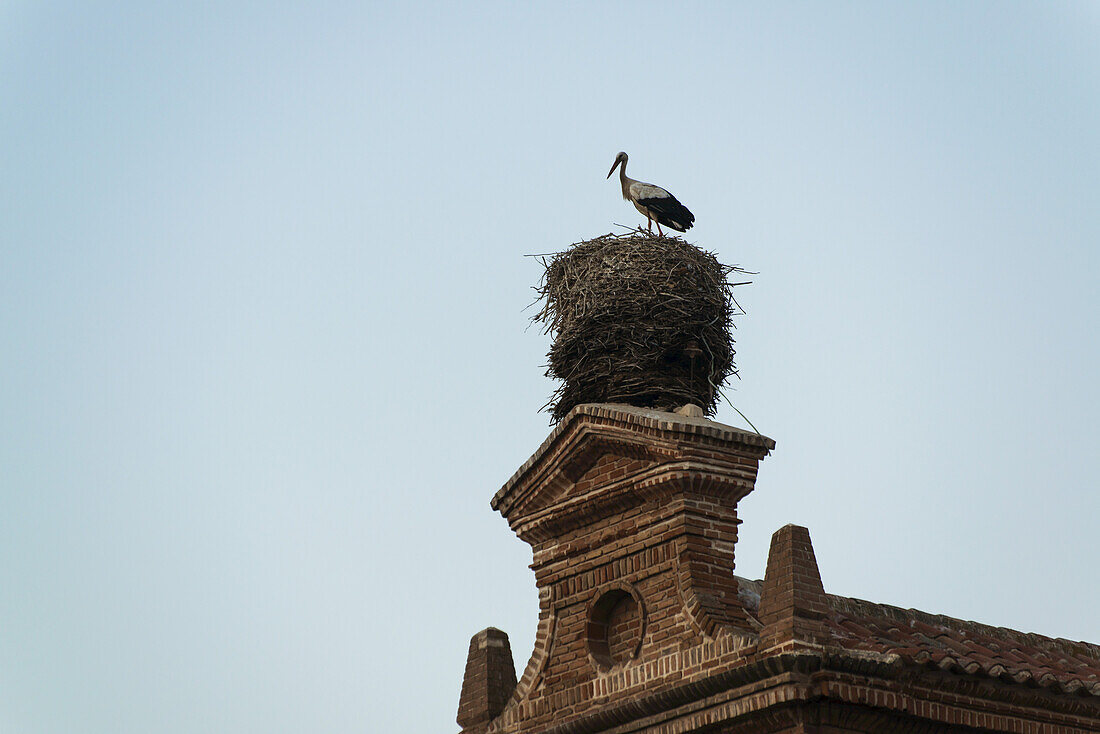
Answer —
654 202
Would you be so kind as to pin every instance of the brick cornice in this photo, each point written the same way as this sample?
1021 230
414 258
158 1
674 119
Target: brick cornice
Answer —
661 482
835 687
780 669
592 429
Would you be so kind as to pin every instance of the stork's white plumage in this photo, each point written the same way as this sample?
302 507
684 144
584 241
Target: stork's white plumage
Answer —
654 202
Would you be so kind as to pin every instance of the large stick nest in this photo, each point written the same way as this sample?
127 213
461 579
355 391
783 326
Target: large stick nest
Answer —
637 319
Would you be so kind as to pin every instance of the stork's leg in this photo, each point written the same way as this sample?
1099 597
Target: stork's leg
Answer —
649 223
659 232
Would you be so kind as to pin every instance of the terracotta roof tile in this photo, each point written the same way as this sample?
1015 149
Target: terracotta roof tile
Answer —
957 645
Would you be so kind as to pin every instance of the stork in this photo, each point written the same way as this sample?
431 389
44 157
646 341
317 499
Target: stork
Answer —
654 202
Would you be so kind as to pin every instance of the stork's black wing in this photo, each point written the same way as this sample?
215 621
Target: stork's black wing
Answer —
667 210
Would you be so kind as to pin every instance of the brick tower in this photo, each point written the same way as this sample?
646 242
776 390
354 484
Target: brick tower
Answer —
632 517
643 627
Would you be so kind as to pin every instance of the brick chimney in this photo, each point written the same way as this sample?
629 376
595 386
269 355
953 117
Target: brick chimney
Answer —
793 605
632 517
489 680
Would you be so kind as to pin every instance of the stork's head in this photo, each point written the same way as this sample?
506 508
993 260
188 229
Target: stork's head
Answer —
620 158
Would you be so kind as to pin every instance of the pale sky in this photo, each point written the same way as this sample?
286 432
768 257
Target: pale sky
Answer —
264 352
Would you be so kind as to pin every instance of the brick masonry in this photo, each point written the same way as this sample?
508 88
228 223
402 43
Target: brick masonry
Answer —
643 626
489 680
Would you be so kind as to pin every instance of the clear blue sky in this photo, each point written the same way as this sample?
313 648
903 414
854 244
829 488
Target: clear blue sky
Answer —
263 357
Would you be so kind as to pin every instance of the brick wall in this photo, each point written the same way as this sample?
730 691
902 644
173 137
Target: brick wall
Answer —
632 519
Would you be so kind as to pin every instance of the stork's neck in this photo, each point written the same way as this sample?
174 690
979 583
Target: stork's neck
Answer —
625 181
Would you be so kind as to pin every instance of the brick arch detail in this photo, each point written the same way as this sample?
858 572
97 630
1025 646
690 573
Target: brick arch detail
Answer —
630 590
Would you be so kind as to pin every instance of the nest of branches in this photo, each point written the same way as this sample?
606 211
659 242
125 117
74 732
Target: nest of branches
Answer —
637 319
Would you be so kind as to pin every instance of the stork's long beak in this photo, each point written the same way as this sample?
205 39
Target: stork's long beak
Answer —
613 167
